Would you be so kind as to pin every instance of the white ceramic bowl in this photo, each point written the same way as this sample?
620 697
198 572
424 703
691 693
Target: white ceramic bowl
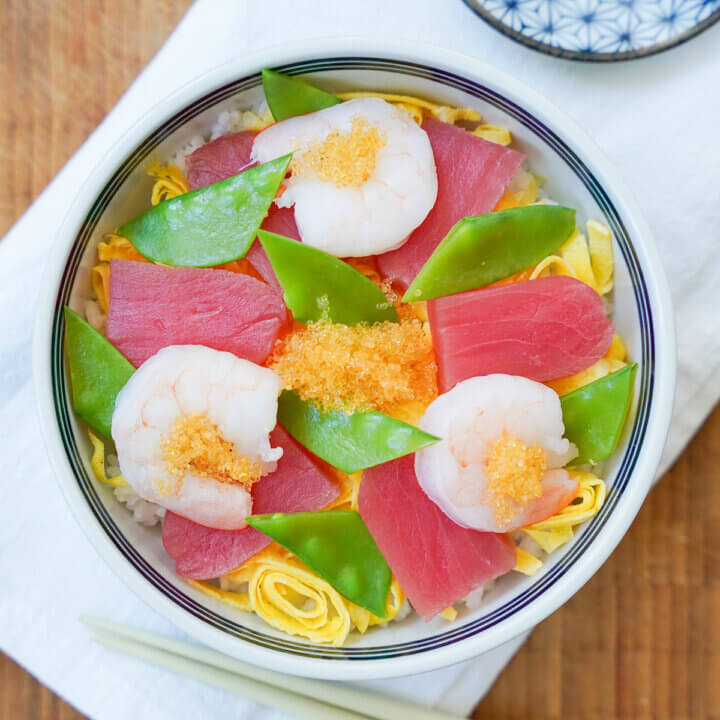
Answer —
578 176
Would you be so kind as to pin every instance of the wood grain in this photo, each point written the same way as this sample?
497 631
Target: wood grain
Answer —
641 640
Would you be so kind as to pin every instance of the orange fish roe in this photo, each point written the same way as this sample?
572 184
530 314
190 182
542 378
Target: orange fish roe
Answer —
342 158
367 266
196 445
368 367
405 311
514 474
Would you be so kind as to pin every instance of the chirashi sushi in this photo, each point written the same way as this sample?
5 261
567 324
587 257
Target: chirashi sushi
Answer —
353 361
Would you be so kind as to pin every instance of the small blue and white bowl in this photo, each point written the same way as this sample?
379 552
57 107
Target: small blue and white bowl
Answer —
577 175
599 30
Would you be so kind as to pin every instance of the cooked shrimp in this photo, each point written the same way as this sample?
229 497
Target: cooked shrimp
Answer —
499 465
363 175
191 428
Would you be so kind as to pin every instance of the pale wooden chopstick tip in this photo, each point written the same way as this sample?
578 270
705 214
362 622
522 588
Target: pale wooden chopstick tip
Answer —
353 701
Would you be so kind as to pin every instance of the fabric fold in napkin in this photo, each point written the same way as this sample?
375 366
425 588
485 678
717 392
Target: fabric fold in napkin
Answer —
657 119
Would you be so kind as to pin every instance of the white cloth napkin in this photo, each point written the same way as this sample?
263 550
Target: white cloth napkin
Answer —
657 119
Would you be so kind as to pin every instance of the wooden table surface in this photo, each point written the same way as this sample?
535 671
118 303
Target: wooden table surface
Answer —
641 640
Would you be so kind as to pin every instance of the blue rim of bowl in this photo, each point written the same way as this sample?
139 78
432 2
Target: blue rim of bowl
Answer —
458 632
582 55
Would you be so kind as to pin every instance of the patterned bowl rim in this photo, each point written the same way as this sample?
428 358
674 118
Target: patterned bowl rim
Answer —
583 55
597 539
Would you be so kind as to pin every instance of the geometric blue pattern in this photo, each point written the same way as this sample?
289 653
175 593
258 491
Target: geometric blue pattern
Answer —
600 28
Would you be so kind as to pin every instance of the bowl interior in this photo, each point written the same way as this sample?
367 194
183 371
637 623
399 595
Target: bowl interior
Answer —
569 181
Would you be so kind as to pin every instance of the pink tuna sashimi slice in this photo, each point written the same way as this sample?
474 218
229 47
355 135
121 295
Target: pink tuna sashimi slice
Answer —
203 553
300 483
436 561
540 329
472 174
281 220
229 155
219 159
152 306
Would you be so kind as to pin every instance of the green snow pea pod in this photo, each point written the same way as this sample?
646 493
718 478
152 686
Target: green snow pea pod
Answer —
595 413
97 372
349 442
289 96
483 249
209 226
317 285
338 547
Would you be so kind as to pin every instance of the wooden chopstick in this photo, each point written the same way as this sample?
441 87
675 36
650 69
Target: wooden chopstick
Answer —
257 691
315 699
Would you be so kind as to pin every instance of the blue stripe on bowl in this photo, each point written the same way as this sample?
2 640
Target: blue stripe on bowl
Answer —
458 632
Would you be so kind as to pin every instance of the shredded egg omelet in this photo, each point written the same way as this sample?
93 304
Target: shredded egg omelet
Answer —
280 589
97 463
589 260
554 532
